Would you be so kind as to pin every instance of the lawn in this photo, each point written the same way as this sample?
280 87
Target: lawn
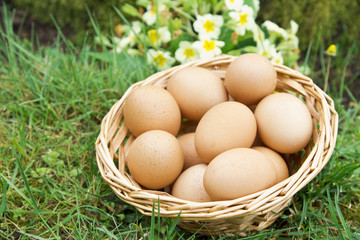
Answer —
52 101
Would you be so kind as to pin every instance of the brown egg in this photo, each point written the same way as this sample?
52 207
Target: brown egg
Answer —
155 159
151 108
282 170
191 157
250 77
189 185
238 172
225 126
284 122
196 90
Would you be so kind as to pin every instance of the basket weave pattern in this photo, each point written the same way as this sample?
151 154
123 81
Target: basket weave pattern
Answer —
253 212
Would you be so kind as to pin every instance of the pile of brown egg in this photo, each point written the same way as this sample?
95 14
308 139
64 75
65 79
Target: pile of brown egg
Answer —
241 128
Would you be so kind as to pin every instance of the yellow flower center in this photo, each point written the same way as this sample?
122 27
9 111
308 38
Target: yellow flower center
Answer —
188 52
265 53
243 18
153 11
154 36
160 59
209 26
209 45
232 1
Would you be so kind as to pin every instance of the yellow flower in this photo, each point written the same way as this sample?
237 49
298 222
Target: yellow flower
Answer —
161 36
208 26
152 34
160 59
331 51
243 19
186 52
208 47
189 52
150 15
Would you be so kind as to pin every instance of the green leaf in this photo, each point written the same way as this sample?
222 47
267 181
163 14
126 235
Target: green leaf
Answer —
177 23
130 10
102 56
44 170
142 3
236 52
189 6
218 6
249 49
226 36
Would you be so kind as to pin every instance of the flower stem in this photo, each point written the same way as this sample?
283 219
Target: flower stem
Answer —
327 75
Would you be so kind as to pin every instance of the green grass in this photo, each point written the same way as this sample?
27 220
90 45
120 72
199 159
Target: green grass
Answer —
52 100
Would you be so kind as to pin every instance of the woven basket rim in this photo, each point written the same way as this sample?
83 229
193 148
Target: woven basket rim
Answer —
114 140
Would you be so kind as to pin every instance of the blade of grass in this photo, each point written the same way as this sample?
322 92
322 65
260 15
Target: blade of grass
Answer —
333 213
304 211
5 189
171 230
152 221
340 215
343 75
68 44
24 178
307 56
158 219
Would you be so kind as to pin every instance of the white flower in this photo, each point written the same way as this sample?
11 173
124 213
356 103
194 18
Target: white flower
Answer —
258 34
130 39
150 15
292 41
256 4
160 59
294 27
244 19
266 48
186 52
161 36
208 26
134 52
234 4
102 40
292 34
277 58
208 48
274 30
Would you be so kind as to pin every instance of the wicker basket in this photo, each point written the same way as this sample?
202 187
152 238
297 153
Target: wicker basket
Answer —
253 212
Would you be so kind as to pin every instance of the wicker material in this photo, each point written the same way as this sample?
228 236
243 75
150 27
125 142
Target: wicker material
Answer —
253 212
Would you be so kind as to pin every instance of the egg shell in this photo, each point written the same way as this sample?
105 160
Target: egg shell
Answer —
282 170
196 90
250 77
225 126
238 172
191 157
284 122
151 108
155 159
189 185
